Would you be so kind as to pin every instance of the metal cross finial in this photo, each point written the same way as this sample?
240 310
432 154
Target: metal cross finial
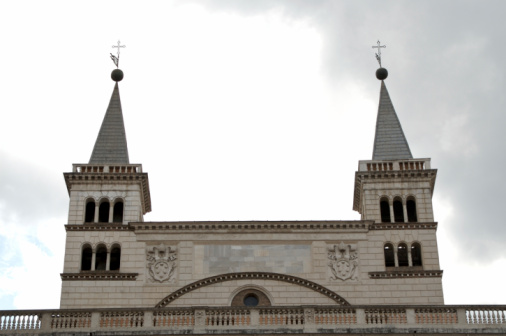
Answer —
378 55
115 59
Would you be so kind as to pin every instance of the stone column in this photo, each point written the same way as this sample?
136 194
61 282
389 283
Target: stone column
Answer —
111 212
45 321
410 316
396 258
148 319
405 212
360 316
93 259
95 220
200 320
255 317
392 217
410 261
309 325
108 261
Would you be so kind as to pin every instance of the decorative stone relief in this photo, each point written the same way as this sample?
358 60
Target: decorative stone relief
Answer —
309 315
200 318
343 261
161 263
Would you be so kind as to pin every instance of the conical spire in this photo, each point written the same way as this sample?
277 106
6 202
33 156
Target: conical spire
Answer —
111 145
389 141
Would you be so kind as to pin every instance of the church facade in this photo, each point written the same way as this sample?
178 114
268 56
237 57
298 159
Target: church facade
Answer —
115 259
379 274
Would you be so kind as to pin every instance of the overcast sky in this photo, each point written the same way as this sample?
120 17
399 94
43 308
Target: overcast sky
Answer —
243 110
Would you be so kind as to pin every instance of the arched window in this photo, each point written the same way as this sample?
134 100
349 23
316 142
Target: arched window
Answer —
101 258
118 212
86 258
398 211
389 255
416 254
411 209
250 298
402 255
103 212
89 216
115 258
385 210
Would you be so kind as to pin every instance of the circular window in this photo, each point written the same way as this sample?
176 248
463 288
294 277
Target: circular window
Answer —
250 300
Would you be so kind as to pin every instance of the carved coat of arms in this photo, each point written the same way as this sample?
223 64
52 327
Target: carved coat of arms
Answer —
161 263
343 261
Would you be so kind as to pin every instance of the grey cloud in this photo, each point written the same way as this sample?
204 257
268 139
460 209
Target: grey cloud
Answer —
447 74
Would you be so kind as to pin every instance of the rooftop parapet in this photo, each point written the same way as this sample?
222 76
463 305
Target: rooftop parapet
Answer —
394 165
106 168
324 320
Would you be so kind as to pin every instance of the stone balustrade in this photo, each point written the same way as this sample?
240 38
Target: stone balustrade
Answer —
93 168
394 165
386 320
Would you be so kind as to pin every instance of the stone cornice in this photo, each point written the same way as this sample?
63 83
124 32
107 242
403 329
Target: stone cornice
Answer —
98 275
254 226
391 176
113 178
97 227
404 226
406 274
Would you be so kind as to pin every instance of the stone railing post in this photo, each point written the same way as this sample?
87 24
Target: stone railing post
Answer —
45 323
410 316
255 317
461 316
309 325
200 320
95 320
360 316
148 319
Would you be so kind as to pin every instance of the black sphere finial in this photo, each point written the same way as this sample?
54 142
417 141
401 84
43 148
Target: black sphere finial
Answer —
381 73
117 75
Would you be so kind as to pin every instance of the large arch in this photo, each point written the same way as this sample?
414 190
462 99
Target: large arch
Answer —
251 276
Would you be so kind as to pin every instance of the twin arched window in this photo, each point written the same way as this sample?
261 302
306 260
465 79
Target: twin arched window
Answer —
398 211
402 256
100 259
101 212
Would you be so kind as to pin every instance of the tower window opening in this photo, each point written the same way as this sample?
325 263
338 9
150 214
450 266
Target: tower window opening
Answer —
101 258
411 209
118 212
89 216
385 211
103 212
86 258
389 255
398 211
402 255
115 258
416 254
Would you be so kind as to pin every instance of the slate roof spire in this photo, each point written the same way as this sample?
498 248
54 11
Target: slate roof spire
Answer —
111 144
389 140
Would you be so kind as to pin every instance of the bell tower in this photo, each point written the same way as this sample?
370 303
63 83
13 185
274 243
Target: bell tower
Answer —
109 189
106 194
393 187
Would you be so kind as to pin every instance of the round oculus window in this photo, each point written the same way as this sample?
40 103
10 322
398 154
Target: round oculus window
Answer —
250 300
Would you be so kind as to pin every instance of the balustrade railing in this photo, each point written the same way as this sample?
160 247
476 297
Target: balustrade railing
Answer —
394 165
210 320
